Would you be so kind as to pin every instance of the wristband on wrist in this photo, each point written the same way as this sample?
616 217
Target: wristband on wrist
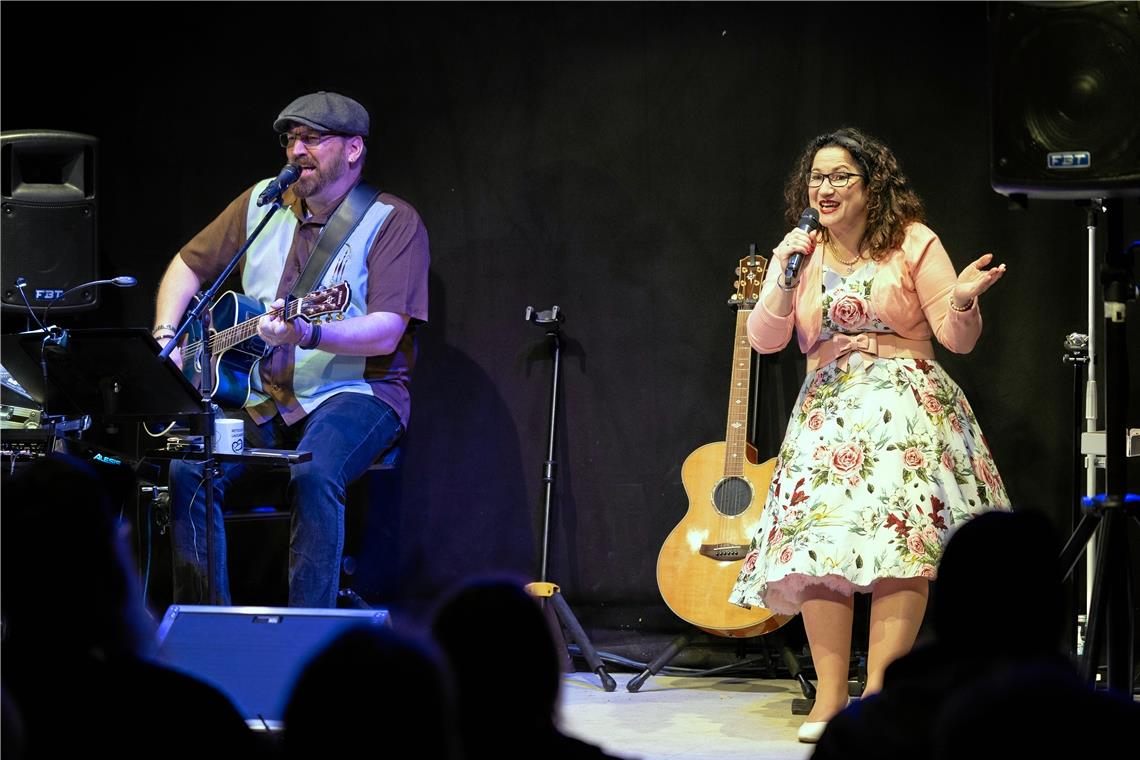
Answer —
168 329
969 305
314 337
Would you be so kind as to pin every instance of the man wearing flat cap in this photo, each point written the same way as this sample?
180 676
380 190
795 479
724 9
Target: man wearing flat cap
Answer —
338 389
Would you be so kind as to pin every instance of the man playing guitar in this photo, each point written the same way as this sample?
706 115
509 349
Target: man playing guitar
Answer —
339 390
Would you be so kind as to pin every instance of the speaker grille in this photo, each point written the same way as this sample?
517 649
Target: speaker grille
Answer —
1065 81
48 232
253 654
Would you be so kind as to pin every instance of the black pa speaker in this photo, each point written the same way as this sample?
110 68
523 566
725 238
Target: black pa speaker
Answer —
1065 85
253 654
47 231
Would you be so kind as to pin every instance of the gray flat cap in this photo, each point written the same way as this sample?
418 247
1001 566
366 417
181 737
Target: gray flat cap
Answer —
327 112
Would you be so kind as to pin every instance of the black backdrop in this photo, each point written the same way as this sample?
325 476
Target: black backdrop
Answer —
614 159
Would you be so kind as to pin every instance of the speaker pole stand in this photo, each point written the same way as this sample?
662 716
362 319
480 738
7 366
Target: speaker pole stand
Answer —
1081 351
543 590
1110 622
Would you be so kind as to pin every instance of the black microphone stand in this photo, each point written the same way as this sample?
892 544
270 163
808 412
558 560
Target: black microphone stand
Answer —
200 313
541 590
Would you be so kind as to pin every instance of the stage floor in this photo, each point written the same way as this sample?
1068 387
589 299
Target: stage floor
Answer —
684 717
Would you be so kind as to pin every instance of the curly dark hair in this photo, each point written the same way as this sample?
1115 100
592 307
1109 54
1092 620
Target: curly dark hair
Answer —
892 203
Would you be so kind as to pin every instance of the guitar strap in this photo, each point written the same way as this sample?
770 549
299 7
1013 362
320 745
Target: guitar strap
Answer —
337 230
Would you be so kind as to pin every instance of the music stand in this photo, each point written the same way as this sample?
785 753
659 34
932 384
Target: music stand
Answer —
107 372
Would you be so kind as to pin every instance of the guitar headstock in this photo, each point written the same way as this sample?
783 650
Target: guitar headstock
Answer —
749 279
331 300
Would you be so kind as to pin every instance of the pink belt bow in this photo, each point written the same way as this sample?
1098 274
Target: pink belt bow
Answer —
866 344
869 345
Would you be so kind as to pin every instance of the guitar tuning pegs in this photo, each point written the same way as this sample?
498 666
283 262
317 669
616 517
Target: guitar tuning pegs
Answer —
339 316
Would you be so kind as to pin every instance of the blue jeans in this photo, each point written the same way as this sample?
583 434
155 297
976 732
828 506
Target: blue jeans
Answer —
345 434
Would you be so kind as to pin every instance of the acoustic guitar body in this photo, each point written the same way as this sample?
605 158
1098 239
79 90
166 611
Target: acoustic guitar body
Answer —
235 345
701 559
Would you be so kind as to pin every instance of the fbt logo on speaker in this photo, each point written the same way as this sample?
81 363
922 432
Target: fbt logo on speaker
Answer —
1069 160
48 295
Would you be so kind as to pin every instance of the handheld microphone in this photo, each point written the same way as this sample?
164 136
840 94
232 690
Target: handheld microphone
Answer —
809 220
289 174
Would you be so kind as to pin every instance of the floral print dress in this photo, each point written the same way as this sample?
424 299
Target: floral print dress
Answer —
881 461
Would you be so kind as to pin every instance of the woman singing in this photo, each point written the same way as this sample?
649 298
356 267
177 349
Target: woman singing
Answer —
883 456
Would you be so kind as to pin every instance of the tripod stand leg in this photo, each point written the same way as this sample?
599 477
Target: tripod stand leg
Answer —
1120 619
566 617
661 661
1077 542
806 686
1110 612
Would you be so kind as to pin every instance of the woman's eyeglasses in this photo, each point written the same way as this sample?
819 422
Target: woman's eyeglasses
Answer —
837 179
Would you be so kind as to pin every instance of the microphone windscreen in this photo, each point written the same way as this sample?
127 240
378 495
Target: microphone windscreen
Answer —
809 220
289 174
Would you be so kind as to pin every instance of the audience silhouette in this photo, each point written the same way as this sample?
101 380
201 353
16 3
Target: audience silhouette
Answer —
1035 710
370 691
76 634
993 681
507 674
995 658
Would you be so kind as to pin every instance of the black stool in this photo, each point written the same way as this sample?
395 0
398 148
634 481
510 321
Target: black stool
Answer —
257 518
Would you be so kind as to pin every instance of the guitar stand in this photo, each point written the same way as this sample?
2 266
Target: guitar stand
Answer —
569 624
799 706
542 589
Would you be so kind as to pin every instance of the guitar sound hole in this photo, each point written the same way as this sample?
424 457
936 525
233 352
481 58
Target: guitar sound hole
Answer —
732 496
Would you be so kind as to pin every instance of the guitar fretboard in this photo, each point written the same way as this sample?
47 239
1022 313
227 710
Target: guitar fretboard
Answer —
736 434
231 336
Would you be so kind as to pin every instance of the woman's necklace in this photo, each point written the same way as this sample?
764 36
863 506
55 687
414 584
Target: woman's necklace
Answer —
849 264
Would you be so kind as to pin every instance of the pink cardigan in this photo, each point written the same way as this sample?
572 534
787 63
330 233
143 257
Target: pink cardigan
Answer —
910 293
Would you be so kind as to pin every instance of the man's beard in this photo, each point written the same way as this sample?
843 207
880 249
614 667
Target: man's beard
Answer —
315 183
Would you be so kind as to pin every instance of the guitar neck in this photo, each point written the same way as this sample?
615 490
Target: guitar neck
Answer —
736 432
223 340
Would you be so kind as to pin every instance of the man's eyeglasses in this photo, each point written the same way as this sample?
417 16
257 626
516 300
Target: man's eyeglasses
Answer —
311 140
837 179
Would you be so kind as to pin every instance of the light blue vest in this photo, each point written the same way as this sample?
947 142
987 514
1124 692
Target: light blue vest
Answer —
317 374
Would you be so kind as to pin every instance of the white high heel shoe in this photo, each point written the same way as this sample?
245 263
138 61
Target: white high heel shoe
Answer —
809 733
